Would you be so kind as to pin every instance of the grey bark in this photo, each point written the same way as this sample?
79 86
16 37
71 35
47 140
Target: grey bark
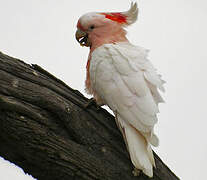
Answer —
45 129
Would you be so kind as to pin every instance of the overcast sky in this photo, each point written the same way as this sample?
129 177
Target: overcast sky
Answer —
42 32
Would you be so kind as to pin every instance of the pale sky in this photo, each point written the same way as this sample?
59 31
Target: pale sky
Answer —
42 32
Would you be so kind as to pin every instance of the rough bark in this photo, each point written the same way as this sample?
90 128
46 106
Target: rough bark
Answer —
45 129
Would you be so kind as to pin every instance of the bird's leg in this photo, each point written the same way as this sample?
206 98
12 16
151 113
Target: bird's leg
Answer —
136 172
91 102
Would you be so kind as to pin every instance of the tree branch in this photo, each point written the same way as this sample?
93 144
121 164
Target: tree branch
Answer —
45 129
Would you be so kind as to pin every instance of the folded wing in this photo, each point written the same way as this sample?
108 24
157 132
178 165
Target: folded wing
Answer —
127 82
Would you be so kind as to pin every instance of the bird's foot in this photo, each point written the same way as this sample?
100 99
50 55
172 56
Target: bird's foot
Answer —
136 172
91 102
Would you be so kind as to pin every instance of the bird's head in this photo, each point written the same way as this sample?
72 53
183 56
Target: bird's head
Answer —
100 28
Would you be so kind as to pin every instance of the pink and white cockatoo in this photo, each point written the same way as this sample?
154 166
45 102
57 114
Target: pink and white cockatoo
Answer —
120 76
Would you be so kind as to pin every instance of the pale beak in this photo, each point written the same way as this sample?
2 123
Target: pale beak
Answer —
82 38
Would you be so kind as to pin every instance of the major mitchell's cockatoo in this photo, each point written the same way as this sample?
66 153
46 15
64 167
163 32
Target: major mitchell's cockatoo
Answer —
120 76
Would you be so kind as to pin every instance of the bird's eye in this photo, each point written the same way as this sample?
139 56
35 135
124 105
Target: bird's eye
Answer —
92 27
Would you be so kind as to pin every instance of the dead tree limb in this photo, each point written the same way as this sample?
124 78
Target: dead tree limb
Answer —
45 129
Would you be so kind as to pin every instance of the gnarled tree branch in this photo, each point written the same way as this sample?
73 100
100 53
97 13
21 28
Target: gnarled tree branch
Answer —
45 129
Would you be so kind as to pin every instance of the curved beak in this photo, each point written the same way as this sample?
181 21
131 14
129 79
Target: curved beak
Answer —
82 38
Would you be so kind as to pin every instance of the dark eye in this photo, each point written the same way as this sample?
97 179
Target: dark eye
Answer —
92 27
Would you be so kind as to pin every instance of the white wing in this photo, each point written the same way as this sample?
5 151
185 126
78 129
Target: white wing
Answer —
122 76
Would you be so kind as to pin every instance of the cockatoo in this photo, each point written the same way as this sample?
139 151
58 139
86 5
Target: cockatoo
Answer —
120 75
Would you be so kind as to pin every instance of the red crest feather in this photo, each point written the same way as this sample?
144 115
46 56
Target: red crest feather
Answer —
126 18
118 17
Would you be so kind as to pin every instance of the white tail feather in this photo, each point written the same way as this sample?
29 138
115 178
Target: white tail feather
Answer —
139 149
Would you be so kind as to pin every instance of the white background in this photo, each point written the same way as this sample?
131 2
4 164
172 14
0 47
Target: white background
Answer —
42 32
